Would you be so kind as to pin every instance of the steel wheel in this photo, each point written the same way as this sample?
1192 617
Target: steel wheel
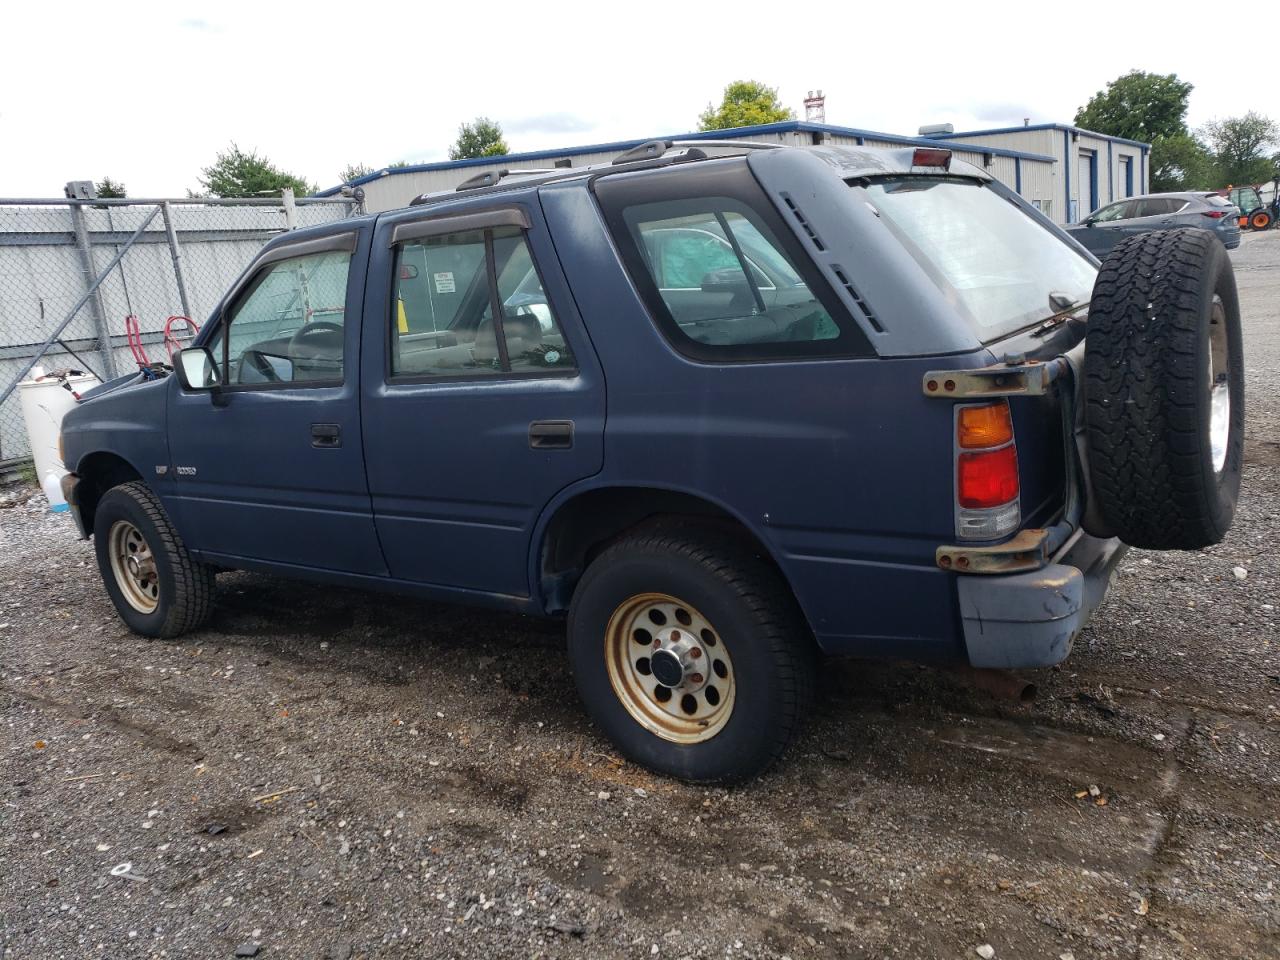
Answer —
1219 391
669 668
134 566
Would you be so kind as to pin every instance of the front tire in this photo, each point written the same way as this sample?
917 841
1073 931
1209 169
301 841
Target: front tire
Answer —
157 589
690 653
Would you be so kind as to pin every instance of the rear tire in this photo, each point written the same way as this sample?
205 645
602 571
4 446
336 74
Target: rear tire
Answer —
1164 390
157 589
643 608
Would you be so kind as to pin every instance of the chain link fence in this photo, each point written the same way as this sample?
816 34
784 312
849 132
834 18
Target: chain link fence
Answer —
73 271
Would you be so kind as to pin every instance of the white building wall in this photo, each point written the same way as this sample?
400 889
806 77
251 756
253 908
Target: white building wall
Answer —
398 189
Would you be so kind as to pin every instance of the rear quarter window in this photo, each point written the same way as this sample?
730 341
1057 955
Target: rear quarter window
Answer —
720 273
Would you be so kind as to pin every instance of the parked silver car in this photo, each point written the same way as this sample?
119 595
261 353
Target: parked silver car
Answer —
1106 227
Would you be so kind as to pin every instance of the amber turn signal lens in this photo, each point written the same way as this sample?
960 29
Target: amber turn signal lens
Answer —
985 426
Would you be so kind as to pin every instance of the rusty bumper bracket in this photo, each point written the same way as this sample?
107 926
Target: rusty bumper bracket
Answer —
1029 379
1028 550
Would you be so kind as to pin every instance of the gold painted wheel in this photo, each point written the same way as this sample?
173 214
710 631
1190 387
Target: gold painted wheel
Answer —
134 566
669 668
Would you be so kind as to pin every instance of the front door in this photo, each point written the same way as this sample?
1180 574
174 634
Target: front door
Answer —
270 468
482 395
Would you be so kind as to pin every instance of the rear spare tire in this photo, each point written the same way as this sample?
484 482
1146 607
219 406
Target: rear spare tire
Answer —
1164 390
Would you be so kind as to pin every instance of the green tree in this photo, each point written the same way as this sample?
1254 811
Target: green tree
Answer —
354 171
1138 106
481 138
746 103
1240 147
109 189
1182 162
243 173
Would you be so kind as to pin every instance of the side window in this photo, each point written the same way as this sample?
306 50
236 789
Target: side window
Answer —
722 275
288 327
1117 211
1156 206
447 289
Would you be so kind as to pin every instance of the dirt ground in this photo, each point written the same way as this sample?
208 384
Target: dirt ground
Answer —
327 773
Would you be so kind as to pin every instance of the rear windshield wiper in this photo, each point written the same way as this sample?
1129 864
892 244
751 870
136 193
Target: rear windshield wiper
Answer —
1065 308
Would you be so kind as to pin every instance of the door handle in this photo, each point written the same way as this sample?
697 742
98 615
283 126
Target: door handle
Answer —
326 435
551 434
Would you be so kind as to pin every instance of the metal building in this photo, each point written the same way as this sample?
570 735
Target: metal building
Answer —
1090 169
1031 173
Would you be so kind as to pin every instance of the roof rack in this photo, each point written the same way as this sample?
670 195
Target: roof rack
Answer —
490 177
653 149
651 153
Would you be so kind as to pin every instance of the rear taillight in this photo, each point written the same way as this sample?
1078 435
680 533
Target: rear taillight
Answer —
986 486
988 479
1213 214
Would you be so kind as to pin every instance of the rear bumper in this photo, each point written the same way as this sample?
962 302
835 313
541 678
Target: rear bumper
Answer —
71 493
1032 619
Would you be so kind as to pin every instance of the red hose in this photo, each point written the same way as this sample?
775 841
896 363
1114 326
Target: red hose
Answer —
171 340
133 335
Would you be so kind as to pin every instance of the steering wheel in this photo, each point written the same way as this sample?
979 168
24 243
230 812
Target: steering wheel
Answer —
318 340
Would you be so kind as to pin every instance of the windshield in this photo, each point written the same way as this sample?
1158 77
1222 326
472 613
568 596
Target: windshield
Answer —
996 264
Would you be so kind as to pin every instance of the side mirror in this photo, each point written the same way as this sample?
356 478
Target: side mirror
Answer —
196 369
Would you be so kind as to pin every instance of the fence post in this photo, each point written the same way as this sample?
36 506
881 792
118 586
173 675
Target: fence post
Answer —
95 300
176 255
290 209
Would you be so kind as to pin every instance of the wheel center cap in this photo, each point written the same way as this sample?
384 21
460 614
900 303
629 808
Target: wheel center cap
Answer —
135 568
667 668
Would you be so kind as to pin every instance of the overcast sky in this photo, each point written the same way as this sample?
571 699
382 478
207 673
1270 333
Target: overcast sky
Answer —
148 93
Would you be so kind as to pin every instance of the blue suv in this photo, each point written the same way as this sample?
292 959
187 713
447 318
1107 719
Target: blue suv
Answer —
722 407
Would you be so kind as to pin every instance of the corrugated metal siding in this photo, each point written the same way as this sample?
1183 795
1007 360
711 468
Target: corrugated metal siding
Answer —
397 190
1040 186
1044 142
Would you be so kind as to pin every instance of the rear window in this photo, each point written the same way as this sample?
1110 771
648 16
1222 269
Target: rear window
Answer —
1217 200
997 266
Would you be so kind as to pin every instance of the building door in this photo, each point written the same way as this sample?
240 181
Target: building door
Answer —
1087 180
1126 176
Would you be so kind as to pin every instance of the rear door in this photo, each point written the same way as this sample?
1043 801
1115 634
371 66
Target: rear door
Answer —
272 468
483 397
1151 213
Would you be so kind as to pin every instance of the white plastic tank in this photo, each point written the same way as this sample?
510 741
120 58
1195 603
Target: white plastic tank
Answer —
45 400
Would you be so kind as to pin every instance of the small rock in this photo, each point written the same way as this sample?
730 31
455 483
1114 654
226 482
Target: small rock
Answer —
340 951
1094 791
1240 572
603 795
986 951
1159 736
641 792
247 950
214 829
1067 956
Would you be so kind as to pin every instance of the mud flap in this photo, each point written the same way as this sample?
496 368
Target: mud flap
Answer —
1022 620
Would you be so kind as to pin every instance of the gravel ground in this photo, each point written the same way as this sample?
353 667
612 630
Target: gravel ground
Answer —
327 773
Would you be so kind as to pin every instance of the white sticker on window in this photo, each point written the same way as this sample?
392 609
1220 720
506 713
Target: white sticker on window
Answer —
444 282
